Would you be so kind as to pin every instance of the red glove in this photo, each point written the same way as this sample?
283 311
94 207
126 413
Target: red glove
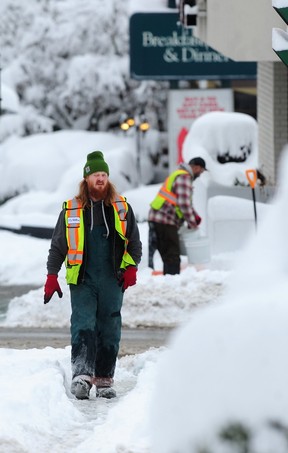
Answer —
129 277
198 219
50 287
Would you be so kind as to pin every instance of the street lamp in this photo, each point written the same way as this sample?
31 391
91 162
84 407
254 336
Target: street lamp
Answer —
141 126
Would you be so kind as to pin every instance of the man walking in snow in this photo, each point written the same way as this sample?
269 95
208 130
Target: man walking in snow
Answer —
169 209
98 237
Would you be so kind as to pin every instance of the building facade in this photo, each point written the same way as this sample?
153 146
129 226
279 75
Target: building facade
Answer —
242 31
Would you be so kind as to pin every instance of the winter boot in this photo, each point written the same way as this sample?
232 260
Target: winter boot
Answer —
104 387
171 268
80 388
105 392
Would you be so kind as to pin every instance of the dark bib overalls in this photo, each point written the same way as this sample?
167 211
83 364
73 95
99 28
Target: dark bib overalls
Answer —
96 304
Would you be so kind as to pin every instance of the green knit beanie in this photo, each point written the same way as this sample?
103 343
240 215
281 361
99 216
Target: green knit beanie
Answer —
95 162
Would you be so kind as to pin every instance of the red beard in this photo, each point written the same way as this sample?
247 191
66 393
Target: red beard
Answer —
98 194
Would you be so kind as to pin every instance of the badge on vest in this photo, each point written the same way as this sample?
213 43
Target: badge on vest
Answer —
73 220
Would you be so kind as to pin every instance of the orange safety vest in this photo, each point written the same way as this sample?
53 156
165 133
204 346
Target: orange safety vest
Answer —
165 193
75 232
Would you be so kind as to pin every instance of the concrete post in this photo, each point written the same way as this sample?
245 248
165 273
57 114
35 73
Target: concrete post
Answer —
272 115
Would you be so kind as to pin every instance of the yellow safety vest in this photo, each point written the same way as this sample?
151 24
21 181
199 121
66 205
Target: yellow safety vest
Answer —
75 232
165 193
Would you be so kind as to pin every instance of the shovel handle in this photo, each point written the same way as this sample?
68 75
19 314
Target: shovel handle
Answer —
252 177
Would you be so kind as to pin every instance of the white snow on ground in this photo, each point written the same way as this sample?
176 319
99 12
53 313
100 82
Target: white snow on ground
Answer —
225 363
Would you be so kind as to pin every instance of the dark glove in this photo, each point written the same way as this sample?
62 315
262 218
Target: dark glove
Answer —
50 287
129 277
198 219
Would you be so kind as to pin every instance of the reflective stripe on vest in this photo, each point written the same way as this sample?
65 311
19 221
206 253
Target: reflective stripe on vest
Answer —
75 235
74 231
165 193
120 210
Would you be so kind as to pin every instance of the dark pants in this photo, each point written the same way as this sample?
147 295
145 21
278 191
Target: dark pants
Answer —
152 244
96 313
95 329
168 246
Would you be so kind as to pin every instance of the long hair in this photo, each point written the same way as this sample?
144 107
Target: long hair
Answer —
83 194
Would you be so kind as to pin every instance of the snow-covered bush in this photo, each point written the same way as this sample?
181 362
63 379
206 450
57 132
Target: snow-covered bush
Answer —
227 141
69 60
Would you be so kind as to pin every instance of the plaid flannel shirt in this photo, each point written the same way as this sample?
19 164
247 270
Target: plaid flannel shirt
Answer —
183 189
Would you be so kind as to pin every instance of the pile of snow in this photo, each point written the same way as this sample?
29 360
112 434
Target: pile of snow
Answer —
228 363
279 3
54 162
42 415
227 137
279 39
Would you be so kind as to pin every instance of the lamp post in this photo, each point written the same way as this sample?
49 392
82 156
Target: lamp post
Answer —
0 88
140 125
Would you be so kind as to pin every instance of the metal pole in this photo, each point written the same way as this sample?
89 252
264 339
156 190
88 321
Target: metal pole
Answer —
254 204
138 163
